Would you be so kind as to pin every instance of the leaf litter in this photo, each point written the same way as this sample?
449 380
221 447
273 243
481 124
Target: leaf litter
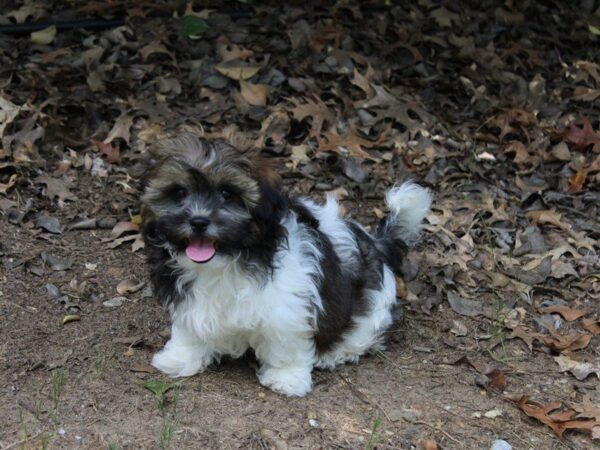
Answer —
503 127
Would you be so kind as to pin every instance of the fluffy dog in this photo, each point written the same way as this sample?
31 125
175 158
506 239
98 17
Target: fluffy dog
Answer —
240 265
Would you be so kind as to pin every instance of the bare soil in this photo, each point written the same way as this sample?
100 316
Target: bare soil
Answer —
493 105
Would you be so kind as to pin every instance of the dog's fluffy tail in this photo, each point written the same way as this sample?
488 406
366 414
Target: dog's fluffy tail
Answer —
408 205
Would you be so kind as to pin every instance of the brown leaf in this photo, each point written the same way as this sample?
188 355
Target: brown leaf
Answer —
555 416
581 370
143 368
428 444
548 217
123 227
229 51
576 181
592 325
363 81
496 380
236 70
112 153
56 187
568 313
121 129
351 142
581 137
254 94
129 286
464 307
152 48
569 343
4 187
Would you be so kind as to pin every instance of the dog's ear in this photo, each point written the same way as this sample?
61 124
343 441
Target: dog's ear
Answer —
273 202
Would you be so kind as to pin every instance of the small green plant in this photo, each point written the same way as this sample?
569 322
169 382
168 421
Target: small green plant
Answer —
160 390
166 434
57 385
113 446
101 362
375 437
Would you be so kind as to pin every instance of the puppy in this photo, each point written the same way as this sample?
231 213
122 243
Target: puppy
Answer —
240 265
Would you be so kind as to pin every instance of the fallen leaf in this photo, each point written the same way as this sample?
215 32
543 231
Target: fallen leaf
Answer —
464 307
112 153
568 313
580 370
496 380
71 318
114 302
254 94
193 26
45 36
458 328
569 343
4 187
236 70
121 129
143 368
555 416
576 181
56 187
122 228
129 286
592 325
56 263
8 113
429 444
581 137
548 217
50 224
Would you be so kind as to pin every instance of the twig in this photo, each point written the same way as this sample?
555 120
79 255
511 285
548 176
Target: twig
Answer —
22 441
433 427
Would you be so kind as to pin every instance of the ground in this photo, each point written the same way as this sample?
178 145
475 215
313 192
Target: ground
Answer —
492 105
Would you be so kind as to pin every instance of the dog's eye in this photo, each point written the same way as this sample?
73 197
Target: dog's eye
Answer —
179 193
226 194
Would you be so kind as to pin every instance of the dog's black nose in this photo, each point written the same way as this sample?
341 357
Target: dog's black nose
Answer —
199 223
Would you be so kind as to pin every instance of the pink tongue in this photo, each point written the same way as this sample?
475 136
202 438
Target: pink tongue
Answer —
200 250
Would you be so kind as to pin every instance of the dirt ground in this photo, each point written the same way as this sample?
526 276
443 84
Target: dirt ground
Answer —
493 106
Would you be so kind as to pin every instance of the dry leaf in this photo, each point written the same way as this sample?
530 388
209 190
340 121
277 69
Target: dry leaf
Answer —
71 318
129 286
555 416
581 137
237 71
464 307
121 129
580 370
45 36
592 325
568 313
548 217
123 227
112 153
4 187
254 94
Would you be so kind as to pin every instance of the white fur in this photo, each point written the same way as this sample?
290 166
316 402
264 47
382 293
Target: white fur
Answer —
225 311
408 203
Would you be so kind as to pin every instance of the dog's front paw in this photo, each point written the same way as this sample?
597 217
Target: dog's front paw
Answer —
293 382
180 361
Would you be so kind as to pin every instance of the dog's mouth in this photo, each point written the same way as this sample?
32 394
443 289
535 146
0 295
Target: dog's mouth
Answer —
200 250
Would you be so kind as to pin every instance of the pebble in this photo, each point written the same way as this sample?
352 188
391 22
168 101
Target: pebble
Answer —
500 445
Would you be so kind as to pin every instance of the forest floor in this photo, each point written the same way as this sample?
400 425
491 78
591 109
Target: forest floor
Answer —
494 107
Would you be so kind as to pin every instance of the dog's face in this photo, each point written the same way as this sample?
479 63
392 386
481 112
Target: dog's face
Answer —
203 198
